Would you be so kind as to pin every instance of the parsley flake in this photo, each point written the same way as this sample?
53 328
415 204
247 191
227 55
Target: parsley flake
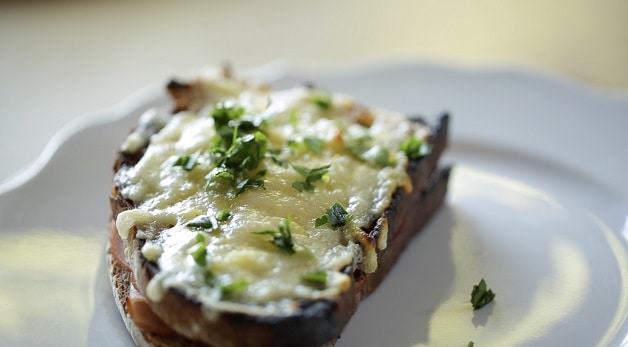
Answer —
316 278
250 182
203 222
239 165
312 176
231 122
359 145
247 152
187 162
322 99
365 148
294 118
481 295
415 147
198 251
223 215
336 216
234 287
310 144
314 144
281 238
224 113
225 174
383 157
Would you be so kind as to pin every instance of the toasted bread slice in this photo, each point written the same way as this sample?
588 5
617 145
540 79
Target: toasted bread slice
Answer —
217 271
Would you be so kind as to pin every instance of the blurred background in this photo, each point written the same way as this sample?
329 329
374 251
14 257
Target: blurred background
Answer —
61 59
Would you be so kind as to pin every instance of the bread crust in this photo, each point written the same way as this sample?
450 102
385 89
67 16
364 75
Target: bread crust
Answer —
120 277
315 322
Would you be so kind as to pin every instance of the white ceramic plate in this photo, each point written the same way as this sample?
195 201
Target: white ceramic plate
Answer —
537 207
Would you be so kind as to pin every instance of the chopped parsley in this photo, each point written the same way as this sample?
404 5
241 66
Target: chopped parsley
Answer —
223 215
238 150
359 145
203 222
234 287
481 295
311 144
314 144
415 147
470 344
336 216
294 119
312 176
247 152
322 99
198 251
295 145
227 119
187 162
383 157
239 164
225 174
316 278
250 182
365 148
224 113
281 238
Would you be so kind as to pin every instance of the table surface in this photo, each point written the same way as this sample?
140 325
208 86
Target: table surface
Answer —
62 59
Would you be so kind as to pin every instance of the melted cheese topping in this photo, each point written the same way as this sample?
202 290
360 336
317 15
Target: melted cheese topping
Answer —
168 197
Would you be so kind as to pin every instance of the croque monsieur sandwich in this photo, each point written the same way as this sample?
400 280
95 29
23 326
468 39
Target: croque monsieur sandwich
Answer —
251 217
